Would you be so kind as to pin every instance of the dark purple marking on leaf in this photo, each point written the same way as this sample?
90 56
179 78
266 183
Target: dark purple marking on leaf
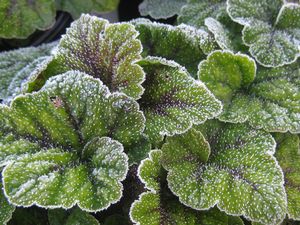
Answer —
165 102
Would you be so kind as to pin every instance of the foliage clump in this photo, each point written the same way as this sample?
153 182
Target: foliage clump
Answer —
147 123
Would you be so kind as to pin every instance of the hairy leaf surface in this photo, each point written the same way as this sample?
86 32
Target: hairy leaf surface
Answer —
272 29
241 176
105 51
176 43
161 9
288 155
195 12
16 66
269 101
172 100
20 18
58 144
159 206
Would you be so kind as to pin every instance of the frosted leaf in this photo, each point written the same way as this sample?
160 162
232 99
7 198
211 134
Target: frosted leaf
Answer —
195 12
270 101
138 150
161 9
176 43
172 100
227 35
272 29
105 51
6 209
55 178
20 18
241 176
74 216
288 156
66 131
77 7
16 66
226 73
159 206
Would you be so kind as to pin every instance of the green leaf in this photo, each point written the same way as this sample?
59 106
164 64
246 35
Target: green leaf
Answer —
16 66
225 73
71 217
160 206
20 18
6 209
58 144
270 101
173 101
272 29
195 12
241 176
77 7
176 43
288 155
161 9
227 35
138 150
105 51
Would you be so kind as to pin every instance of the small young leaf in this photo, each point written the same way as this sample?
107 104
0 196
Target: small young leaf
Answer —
195 12
172 100
16 66
105 51
268 101
20 18
288 155
174 43
58 147
77 7
71 217
6 209
161 9
271 29
226 73
241 175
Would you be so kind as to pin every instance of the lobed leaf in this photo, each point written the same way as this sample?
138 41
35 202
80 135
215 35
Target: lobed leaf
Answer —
57 144
105 51
20 18
77 7
272 29
288 156
72 217
227 34
195 12
241 176
268 101
158 206
176 43
172 100
161 9
16 66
